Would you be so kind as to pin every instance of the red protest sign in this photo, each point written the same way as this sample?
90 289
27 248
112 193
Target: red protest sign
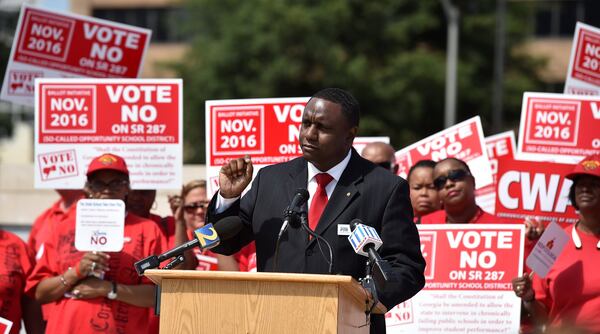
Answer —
468 281
54 44
498 146
267 129
528 188
469 257
557 127
463 141
78 119
583 77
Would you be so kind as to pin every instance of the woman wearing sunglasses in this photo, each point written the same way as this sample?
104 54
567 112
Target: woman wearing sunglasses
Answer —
456 190
570 292
95 291
193 212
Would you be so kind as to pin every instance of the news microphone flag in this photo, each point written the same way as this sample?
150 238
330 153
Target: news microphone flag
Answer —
363 235
207 236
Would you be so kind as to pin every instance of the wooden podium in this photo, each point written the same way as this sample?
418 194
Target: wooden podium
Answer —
239 302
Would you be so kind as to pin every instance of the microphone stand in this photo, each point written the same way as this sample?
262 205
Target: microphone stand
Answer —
305 227
289 215
177 260
369 284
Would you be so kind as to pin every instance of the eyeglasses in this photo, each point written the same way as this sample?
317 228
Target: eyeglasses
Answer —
453 175
192 207
114 185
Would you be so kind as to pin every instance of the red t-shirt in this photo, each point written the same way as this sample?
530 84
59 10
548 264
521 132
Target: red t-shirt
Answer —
142 238
246 258
439 217
44 223
207 260
167 226
571 290
16 263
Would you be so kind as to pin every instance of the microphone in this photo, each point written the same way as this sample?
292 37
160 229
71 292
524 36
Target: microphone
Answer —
289 215
365 241
300 197
206 237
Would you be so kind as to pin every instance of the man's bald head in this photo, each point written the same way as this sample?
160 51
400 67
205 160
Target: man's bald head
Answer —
381 154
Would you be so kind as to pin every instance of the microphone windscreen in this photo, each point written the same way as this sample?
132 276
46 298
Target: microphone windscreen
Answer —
207 236
363 235
228 227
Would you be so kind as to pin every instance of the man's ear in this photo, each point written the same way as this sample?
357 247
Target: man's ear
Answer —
352 134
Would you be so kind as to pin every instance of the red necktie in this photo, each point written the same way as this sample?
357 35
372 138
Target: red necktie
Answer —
319 200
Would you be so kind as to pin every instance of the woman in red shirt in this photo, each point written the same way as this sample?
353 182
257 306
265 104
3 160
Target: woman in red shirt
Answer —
193 212
423 195
456 190
570 292
95 291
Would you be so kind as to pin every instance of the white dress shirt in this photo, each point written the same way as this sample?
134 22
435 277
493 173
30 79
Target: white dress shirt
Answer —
335 172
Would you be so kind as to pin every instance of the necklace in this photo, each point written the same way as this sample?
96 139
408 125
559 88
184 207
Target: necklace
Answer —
577 239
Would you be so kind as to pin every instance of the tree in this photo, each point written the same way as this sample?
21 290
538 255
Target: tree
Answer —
389 53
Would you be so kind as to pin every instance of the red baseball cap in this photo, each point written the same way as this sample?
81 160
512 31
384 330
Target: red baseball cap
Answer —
108 161
588 166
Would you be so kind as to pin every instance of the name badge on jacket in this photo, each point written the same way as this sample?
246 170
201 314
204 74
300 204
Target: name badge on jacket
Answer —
344 229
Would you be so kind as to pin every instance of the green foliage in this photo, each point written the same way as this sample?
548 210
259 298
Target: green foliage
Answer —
389 53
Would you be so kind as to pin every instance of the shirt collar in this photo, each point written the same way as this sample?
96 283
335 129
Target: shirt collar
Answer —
335 171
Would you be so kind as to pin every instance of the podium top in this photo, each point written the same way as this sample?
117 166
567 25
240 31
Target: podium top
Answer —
347 282
156 276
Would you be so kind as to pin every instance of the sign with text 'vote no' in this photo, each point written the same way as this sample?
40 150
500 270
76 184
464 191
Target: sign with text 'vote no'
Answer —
463 141
137 119
50 44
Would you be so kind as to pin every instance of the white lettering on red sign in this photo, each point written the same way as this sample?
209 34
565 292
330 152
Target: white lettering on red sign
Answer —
445 145
534 192
105 35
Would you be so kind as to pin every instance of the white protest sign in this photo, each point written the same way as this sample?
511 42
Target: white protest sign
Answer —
583 77
100 225
77 120
5 326
462 141
547 249
468 285
51 44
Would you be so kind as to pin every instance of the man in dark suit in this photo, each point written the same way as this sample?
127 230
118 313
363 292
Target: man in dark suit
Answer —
353 188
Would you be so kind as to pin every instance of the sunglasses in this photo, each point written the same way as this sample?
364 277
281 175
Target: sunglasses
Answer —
453 175
114 185
192 207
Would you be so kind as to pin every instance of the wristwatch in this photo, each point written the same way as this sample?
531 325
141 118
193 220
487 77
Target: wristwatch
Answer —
112 295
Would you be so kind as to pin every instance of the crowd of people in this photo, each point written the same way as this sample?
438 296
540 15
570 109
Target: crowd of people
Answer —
55 288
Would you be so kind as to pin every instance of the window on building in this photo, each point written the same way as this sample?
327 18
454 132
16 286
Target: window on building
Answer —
166 23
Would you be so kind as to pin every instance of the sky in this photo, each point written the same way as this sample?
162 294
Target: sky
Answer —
62 5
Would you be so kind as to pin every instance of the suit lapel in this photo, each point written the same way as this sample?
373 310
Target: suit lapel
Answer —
298 179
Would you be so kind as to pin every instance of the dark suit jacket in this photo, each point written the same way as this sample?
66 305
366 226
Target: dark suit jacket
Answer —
365 191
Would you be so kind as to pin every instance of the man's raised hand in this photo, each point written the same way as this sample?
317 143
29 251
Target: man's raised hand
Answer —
235 176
